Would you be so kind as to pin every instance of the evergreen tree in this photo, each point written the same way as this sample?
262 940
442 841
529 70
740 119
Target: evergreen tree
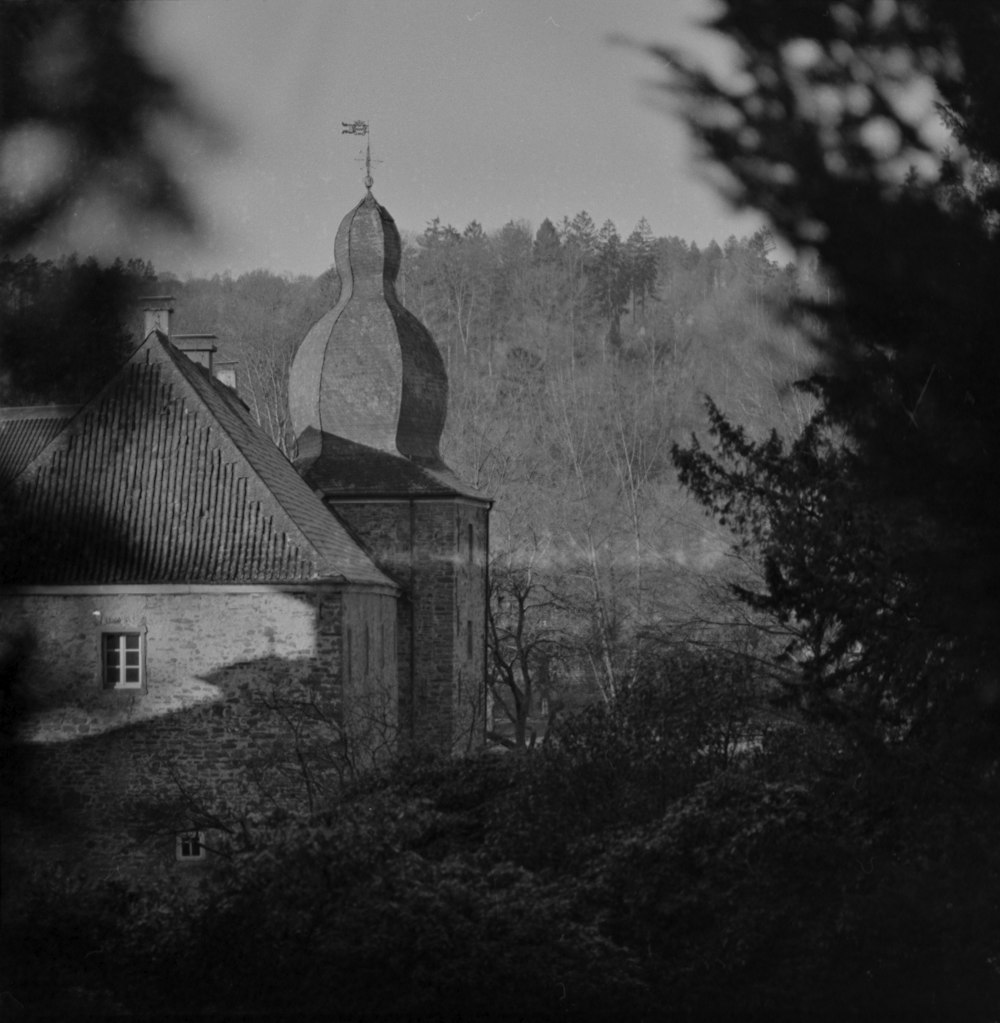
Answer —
641 261
73 79
65 328
610 280
899 467
546 246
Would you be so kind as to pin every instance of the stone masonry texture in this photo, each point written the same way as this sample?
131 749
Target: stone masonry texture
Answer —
423 546
234 680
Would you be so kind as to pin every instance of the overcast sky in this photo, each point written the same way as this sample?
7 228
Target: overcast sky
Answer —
479 109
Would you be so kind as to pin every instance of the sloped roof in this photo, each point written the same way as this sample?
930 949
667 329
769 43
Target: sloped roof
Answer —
25 431
337 467
165 477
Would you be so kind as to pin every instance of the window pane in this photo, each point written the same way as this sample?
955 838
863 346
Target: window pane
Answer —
122 658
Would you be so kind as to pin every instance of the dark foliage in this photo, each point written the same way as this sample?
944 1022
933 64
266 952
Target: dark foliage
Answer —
617 874
63 330
83 108
876 528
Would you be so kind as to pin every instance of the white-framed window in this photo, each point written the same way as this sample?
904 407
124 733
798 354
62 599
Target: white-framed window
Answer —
123 659
191 846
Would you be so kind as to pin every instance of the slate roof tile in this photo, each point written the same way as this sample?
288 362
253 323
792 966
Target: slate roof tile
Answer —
165 477
25 431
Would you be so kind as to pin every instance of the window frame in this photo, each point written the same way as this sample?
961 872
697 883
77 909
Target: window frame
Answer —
186 837
123 631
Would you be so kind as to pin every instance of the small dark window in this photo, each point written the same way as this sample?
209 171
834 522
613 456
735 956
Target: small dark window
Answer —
468 639
190 846
472 544
368 647
348 656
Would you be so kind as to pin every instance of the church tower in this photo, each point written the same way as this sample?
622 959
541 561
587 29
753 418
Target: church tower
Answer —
368 397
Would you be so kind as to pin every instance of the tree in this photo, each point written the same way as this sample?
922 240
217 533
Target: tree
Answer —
578 253
85 110
546 246
64 325
640 257
825 132
611 280
522 641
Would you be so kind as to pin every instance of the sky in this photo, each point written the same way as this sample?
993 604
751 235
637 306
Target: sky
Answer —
488 110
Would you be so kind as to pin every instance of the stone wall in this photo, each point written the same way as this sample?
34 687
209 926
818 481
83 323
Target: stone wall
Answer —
243 710
424 546
469 693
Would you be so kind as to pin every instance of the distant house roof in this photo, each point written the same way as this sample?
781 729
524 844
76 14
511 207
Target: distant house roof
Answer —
165 477
25 431
340 468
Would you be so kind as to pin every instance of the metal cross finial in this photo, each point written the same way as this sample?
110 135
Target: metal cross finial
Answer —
361 128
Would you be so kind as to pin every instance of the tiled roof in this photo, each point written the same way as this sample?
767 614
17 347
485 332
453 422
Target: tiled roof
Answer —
164 477
342 468
25 431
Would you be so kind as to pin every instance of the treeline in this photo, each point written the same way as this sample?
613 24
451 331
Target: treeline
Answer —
567 293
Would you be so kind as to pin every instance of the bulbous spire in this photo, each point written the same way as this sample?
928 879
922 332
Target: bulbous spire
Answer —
369 370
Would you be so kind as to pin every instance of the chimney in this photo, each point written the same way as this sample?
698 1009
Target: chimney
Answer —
198 348
225 373
157 310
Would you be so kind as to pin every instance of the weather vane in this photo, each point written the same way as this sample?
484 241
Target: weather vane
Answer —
361 128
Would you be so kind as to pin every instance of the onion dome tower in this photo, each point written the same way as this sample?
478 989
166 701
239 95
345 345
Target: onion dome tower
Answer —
368 397
369 370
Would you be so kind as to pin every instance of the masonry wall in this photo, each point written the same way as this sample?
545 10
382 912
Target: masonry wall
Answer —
370 681
469 666
244 696
423 546
385 527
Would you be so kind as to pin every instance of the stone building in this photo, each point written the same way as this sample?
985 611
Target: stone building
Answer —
194 622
